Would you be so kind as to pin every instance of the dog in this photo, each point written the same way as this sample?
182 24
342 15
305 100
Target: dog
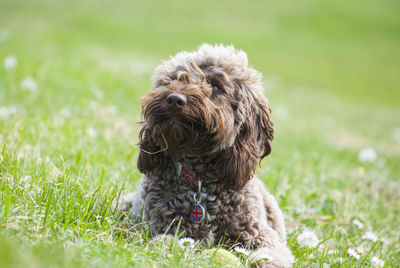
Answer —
206 125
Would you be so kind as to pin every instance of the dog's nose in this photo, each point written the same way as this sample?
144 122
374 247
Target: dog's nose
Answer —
176 101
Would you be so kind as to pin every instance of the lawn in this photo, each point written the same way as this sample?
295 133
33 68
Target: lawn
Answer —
70 107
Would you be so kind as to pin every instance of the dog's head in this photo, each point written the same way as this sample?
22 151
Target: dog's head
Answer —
207 103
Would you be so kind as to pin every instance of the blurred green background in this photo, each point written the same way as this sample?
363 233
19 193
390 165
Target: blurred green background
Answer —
350 48
331 73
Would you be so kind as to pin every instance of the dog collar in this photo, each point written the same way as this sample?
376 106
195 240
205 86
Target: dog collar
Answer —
192 178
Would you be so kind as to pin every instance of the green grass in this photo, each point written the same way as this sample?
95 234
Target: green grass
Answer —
331 70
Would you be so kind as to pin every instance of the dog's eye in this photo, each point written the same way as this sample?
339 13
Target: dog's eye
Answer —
215 88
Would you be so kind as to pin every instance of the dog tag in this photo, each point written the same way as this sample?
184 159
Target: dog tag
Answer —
198 213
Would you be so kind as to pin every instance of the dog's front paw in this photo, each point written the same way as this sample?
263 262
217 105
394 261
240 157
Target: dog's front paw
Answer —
279 257
125 205
163 240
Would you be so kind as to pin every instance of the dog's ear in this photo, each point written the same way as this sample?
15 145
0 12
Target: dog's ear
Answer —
265 127
151 160
237 164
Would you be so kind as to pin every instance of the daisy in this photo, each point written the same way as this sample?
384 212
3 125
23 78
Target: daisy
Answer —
112 109
93 105
186 242
333 251
367 155
370 236
10 62
377 262
29 83
308 239
242 250
360 250
91 132
26 179
339 260
65 112
98 94
6 112
357 223
353 253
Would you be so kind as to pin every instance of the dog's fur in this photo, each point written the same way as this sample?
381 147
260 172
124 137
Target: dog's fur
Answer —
221 133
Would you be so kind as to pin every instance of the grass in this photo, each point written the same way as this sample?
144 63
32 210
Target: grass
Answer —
331 73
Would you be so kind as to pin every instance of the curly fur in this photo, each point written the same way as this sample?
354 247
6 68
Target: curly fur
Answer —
222 132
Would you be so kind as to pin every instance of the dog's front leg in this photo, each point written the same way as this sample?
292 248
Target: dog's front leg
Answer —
131 205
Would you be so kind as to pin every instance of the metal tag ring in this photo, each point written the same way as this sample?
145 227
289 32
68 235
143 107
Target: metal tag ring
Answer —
195 198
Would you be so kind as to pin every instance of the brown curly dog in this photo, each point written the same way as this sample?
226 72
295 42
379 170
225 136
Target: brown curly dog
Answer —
206 125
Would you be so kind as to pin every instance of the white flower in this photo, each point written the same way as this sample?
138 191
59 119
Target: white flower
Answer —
370 236
360 250
10 62
6 112
26 179
353 253
384 241
377 262
91 132
261 253
325 265
112 109
29 83
242 250
396 134
186 242
58 121
98 93
333 251
339 260
367 155
93 105
65 112
308 239
357 223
